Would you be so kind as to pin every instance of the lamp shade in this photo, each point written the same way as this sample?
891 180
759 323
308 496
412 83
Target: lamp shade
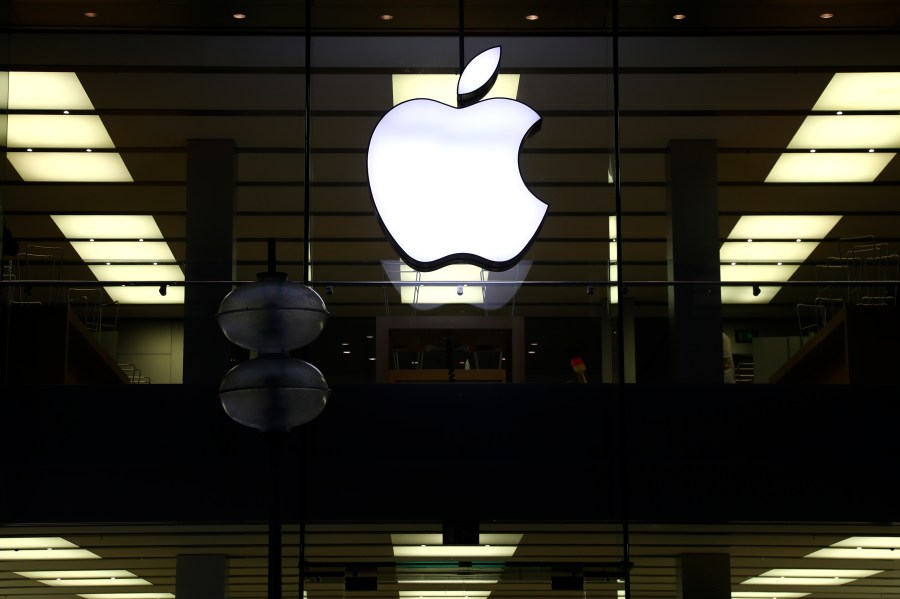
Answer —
272 314
273 393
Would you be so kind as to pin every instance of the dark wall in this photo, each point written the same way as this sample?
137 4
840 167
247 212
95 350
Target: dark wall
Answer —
431 452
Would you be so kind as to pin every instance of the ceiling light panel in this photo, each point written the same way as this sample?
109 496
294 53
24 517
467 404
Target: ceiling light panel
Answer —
443 87
766 251
784 226
861 91
137 272
821 572
426 594
103 167
869 542
107 226
798 581
36 543
46 554
127 596
73 574
766 595
829 167
145 295
93 582
847 132
123 251
854 553
454 551
57 131
47 91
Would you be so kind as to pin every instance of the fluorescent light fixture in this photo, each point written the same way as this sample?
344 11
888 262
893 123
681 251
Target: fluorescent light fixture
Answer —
443 88
94 582
766 251
820 573
861 91
123 251
105 167
57 131
798 580
46 91
107 226
36 543
437 538
613 260
869 542
137 272
45 554
766 595
853 553
831 167
470 277
845 132
145 295
127 596
465 580
58 92
76 574
431 593
470 551
784 226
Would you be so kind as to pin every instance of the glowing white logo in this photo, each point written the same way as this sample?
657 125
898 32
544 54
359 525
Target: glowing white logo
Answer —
446 181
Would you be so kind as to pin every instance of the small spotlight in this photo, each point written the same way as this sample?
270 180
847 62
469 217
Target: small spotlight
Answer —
756 290
826 15
589 290
532 17
163 289
90 14
679 17
329 290
386 17
459 289
239 16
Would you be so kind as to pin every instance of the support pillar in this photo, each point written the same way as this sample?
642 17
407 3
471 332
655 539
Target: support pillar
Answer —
703 576
609 330
695 310
209 252
200 576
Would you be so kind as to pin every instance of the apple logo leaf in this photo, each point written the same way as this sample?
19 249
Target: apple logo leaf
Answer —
478 77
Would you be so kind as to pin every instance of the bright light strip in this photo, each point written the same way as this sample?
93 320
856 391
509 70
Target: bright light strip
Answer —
848 553
76 574
861 91
613 260
104 167
107 226
831 167
466 580
47 91
820 573
765 595
784 226
137 272
94 582
438 538
798 581
145 295
443 88
45 554
766 251
57 131
36 543
123 251
127 596
848 132
454 551
429 593
869 542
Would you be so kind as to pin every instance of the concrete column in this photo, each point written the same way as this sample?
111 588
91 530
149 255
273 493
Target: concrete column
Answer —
209 252
703 576
200 576
695 310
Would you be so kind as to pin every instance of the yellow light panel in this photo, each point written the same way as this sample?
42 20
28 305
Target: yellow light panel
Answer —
438 538
73 574
784 226
106 167
466 580
766 251
861 91
454 551
45 554
36 543
425 594
94 582
107 226
821 572
137 272
853 553
127 596
829 167
57 131
30 90
123 251
145 295
798 581
870 542
443 88
766 595
847 132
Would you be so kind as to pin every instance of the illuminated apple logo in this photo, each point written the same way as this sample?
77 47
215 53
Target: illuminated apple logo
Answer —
446 182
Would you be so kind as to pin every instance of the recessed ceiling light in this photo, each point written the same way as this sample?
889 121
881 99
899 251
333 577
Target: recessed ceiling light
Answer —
826 15
90 14
239 16
386 17
679 17
532 17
